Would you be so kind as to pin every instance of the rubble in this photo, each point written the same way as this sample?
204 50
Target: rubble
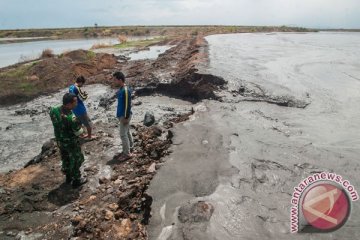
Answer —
112 207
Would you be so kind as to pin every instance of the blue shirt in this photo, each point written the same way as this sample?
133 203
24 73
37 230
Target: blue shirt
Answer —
80 109
124 102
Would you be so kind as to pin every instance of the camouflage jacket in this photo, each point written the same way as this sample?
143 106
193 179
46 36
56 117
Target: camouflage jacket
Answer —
67 128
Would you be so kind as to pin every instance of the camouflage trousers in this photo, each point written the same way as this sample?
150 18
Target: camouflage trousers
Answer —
72 158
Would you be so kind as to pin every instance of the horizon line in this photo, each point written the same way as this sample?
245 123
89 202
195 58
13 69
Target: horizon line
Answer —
178 25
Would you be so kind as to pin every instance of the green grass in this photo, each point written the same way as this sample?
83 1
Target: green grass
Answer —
16 80
90 55
139 43
27 87
34 63
17 73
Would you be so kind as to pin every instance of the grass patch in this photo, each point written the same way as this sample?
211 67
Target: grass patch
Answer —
16 81
16 73
34 63
27 87
139 43
90 55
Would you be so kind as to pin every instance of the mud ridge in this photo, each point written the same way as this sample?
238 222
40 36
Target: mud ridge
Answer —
193 87
254 93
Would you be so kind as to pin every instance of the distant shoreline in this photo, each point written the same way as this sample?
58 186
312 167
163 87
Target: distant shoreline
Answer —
97 31
43 34
114 31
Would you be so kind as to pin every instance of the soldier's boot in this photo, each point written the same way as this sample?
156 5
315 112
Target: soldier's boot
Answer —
68 179
79 182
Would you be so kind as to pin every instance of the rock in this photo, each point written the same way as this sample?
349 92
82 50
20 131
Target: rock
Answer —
90 169
118 182
197 212
125 196
48 146
156 131
169 109
146 203
28 231
113 206
114 177
123 229
169 135
107 197
103 180
155 155
31 112
149 119
152 168
48 149
136 103
110 190
109 215
158 166
120 214
92 197
11 234
132 181
242 90
76 220
107 102
123 58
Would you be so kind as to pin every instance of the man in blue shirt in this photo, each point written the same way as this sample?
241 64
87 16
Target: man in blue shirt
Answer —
80 110
123 113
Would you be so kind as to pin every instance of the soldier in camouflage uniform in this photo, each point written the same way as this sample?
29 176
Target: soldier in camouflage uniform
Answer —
67 130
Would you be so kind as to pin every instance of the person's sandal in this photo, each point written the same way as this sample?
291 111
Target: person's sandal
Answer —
93 138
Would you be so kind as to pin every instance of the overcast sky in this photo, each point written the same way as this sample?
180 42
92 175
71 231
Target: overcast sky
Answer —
78 13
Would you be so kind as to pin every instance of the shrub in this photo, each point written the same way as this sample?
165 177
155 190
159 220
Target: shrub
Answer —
47 53
122 39
100 45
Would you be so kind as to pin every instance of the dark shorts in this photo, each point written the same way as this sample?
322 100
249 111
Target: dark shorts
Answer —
84 119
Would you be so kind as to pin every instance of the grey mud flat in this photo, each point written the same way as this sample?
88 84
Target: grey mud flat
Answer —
25 127
244 156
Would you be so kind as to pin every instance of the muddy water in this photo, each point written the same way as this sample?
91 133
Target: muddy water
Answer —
245 158
152 53
133 54
24 128
23 133
11 53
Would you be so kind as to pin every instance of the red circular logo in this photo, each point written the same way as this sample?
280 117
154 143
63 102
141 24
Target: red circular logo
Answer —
326 207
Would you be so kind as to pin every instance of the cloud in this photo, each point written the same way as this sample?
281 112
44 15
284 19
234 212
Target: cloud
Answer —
71 13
